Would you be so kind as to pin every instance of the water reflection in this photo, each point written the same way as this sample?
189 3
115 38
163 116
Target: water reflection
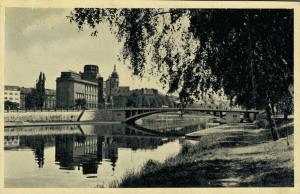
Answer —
83 149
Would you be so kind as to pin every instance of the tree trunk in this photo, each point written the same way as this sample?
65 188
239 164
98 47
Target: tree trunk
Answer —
273 109
285 117
272 123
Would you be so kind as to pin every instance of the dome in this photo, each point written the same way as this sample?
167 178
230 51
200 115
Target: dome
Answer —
91 68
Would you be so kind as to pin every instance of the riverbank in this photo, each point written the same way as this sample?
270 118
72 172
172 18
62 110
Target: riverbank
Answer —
37 124
240 157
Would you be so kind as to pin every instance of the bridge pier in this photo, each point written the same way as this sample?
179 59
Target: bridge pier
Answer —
252 117
221 114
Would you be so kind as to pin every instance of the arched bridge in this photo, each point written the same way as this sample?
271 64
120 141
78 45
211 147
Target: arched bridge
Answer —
130 115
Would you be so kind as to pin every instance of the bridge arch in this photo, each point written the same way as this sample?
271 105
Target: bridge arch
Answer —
133 118
130 115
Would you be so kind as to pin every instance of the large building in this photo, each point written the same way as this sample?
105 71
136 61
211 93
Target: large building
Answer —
88 85
12 94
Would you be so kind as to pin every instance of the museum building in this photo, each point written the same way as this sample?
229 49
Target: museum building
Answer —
88 85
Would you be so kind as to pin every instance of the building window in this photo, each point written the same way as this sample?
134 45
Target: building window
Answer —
5 92
5 98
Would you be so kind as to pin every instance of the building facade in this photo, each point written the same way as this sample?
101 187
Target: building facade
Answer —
50 99
24 92
49 102
12 94
71 86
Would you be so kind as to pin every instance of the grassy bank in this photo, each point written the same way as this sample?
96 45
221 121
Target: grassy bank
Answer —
246 157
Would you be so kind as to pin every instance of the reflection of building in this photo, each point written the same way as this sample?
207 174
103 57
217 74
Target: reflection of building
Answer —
88 85
82 152
78 151
11 142
110 151
12 94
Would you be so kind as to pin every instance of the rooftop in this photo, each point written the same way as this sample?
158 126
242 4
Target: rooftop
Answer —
13 88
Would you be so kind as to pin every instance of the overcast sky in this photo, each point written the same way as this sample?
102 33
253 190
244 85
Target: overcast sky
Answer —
43 40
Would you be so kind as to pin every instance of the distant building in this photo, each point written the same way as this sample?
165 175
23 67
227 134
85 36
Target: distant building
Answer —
12 94
123 91
88 85
23 93
50 99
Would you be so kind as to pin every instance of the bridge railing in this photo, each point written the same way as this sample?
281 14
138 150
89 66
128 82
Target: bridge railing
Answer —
186 109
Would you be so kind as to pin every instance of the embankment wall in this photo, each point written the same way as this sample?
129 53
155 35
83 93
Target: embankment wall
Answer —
41 116
88 115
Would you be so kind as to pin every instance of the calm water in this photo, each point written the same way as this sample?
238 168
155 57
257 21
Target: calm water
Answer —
81 156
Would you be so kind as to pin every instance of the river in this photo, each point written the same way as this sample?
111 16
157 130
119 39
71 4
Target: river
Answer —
84 155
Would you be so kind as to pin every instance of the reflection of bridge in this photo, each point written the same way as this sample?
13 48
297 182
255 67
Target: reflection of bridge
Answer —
133 114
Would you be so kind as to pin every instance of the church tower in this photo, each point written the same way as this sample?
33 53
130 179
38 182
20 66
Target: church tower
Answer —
114 82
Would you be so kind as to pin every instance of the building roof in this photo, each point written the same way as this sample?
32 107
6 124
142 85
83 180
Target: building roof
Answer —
26 90
115 74
13 88
50 92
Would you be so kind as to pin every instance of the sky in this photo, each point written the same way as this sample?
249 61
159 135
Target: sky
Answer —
43 40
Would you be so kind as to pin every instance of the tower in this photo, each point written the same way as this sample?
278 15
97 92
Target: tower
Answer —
114 82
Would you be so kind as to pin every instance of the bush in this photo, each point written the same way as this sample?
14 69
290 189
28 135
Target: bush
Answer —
186 148
150 166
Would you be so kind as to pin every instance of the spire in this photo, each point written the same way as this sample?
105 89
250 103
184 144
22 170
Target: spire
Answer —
115 74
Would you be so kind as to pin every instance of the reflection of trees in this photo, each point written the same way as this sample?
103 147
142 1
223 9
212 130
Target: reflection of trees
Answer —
39 154
37 144
76 151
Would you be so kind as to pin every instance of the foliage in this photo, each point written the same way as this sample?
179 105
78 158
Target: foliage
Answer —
80 103
31 100
286 104
40 90
8 105
138 99
36 98
196 50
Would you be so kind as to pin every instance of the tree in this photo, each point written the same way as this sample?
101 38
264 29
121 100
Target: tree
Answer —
11 105
40 90
31 100
196 50
80 103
